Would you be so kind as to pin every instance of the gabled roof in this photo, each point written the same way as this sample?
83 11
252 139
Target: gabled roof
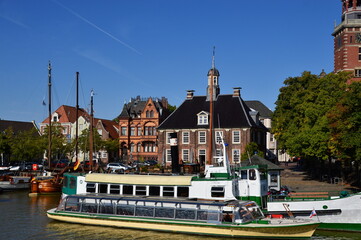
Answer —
110 126
68 114
16 126
136 107
229 112
264 112
257 160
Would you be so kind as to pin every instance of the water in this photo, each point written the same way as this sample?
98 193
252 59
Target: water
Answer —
24 218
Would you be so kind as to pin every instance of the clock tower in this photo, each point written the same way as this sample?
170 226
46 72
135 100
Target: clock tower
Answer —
347 40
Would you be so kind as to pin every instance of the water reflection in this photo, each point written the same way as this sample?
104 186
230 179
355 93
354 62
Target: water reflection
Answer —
24 218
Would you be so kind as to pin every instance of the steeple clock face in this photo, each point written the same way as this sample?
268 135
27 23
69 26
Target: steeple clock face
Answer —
358 38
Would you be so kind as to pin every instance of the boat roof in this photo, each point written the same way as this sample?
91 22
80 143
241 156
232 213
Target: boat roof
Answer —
139 179
160 200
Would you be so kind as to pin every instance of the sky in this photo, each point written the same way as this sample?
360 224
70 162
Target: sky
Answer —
155 48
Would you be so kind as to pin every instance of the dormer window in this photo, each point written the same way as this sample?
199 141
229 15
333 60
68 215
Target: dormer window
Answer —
202 118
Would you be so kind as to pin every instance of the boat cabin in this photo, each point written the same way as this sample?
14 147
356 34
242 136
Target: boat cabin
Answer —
232 212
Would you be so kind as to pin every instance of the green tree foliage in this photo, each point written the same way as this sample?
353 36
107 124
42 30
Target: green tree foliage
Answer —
83 141
300 121
26 146
345 124
251 149
5 141
60 146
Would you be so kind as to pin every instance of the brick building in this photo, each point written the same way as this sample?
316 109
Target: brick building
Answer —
232 119
347 39
137 124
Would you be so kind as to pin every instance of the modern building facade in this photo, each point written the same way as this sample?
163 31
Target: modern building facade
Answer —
347 40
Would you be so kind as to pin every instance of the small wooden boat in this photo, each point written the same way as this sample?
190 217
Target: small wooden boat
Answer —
230 219
45 185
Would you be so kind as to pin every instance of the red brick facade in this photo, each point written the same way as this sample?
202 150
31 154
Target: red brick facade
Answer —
347 40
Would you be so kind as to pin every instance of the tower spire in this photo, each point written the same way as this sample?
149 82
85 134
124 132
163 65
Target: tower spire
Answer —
213 57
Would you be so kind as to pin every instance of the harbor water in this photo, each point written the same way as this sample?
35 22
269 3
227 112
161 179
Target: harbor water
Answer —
24 218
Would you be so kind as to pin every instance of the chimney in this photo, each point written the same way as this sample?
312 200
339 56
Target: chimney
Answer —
189 94
237 91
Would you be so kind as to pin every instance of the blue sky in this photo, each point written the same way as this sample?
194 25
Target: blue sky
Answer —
156 48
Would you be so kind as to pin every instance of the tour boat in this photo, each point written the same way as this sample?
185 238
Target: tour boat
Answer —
218 183
228 218
341 213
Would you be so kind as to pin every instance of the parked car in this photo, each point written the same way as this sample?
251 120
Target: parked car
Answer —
116 166
150 162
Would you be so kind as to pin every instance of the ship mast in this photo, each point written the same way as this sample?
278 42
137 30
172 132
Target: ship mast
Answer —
76 117
91 131
211 140
49 105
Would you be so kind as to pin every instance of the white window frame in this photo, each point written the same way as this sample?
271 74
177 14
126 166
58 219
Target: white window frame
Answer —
234 136
185 137
236 155
219 136
202 118
185 155
168 155
202 137
167 136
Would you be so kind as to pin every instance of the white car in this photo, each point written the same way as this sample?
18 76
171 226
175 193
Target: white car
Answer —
116 166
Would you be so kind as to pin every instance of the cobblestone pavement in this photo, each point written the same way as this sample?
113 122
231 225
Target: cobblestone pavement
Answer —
298 181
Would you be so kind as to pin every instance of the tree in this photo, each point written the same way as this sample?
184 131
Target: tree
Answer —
26 146
60 146
83 140
300 123
251 149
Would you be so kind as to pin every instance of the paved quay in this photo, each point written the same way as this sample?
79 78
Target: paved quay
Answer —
299 181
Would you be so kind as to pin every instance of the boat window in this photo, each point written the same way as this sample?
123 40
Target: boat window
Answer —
243 215
72 183
183 192
114 189
90 188
144 211
106 207
227 217
123 209
168 191
252 174
244 174
103 188
65 181
154 191
217 191
128 189
141 190
72 204
185 213
89 205
163 212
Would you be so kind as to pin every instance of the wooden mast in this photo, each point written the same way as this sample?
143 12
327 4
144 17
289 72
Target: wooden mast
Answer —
49 105
76 118
211 140
91 131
